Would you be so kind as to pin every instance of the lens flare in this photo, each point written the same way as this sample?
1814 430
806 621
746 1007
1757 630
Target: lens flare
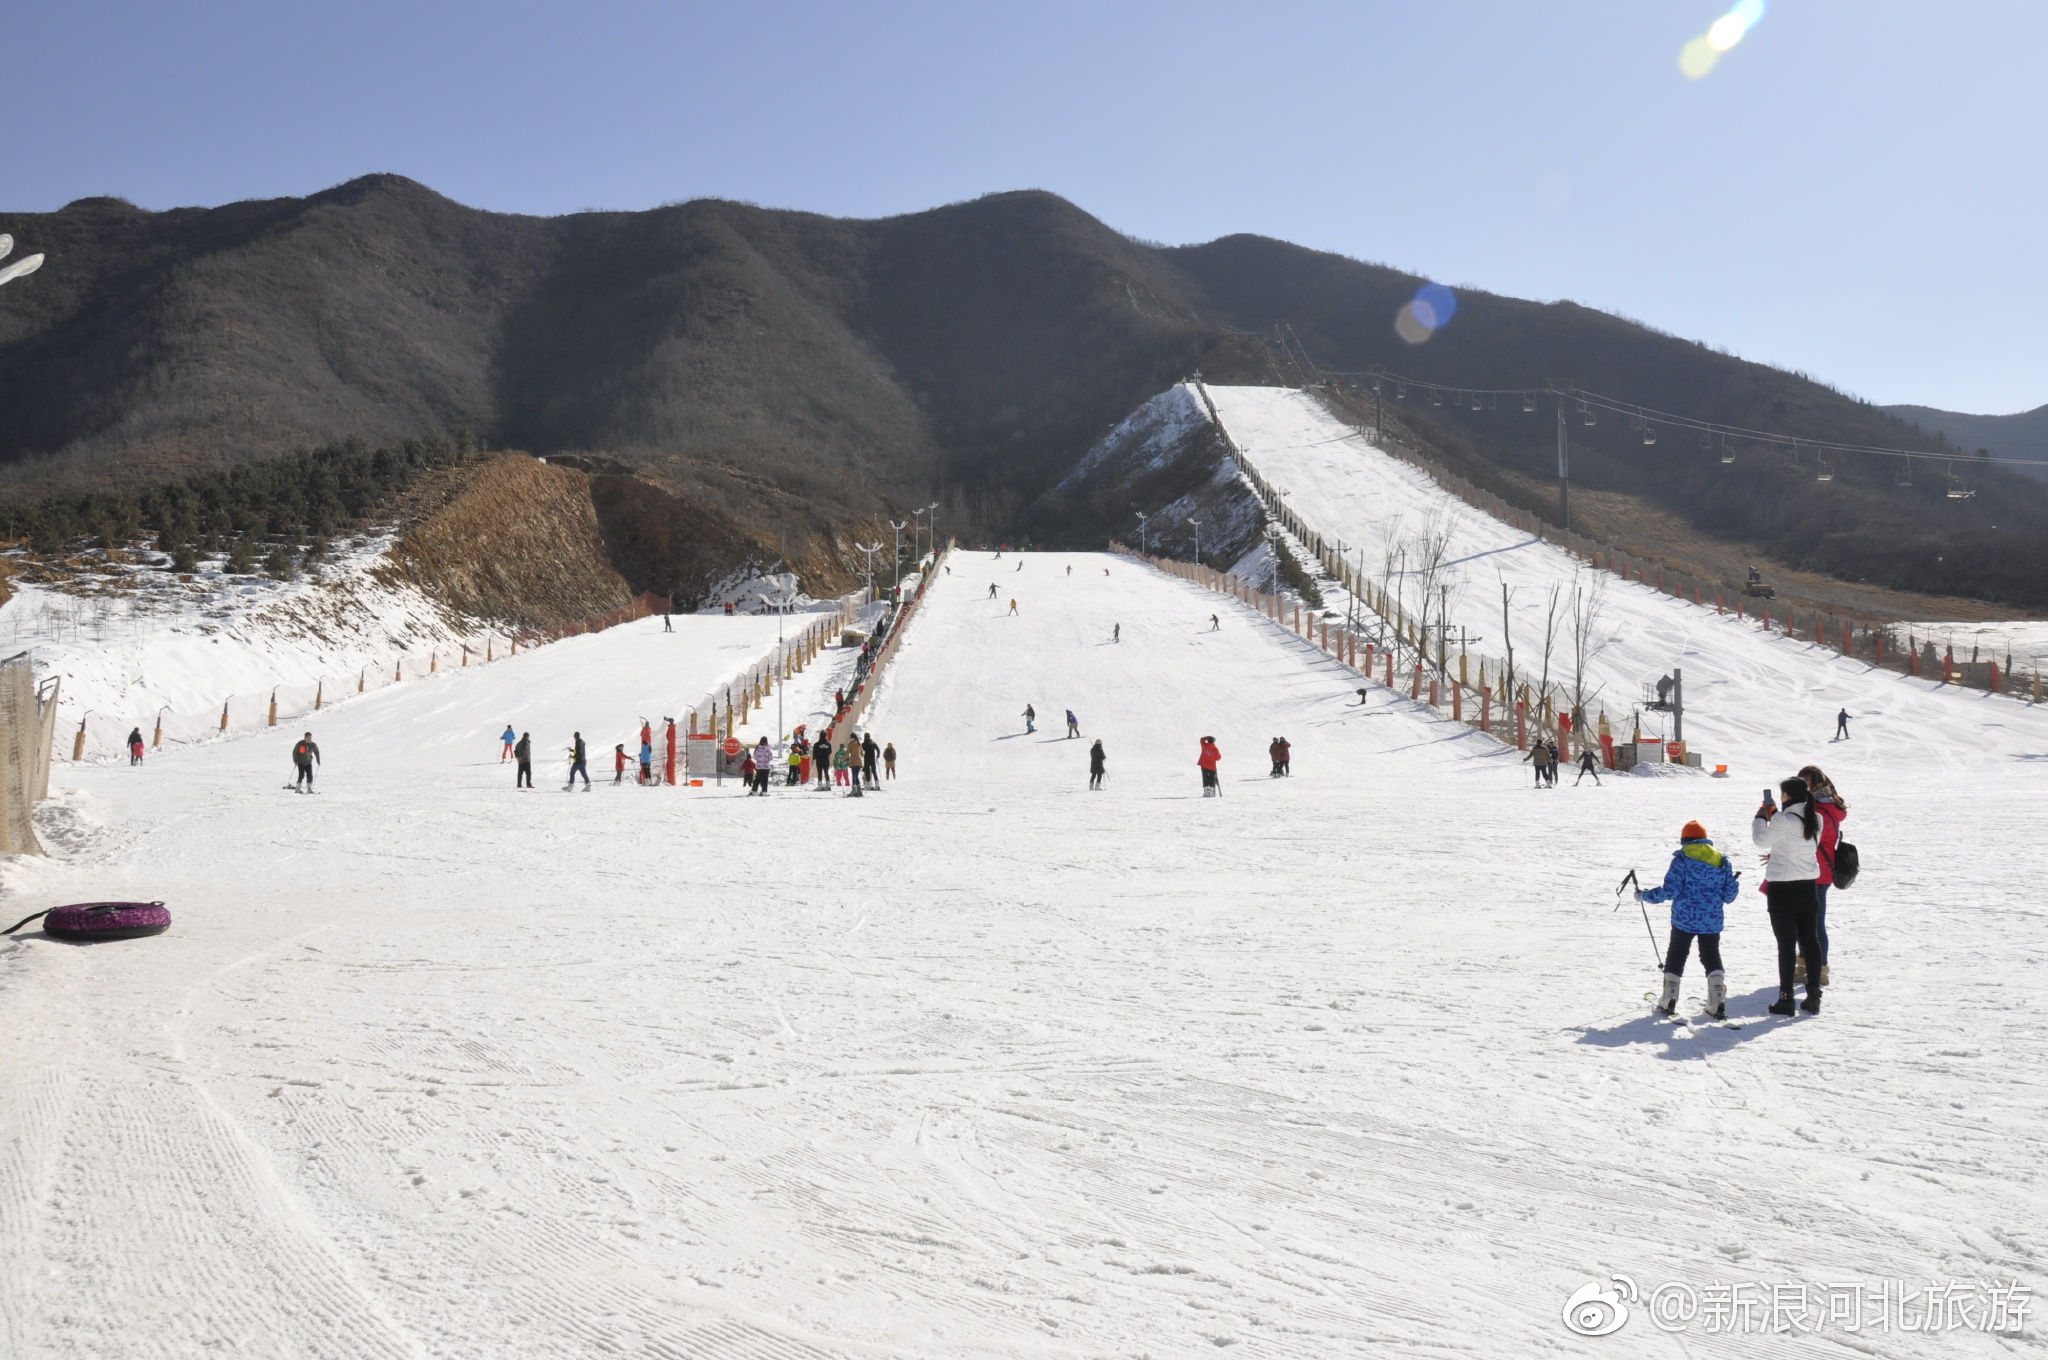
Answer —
1703 53
1426 313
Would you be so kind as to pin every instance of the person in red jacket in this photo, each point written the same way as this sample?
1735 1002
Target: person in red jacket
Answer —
1207 760
619 763
1827 801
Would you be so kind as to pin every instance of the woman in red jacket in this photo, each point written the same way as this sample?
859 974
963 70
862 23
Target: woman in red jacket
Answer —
1207 760
1828 803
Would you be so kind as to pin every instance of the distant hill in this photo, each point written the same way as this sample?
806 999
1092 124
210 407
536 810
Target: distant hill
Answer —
2023 436
802 379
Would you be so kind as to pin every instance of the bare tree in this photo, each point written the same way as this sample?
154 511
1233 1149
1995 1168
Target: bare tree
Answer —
1431 573
1551 620
1589 638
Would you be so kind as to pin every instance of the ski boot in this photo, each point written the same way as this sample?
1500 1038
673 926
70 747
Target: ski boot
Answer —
1783 1005
1667 1000
1717 995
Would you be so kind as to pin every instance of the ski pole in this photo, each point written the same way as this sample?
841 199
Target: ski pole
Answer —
1647 928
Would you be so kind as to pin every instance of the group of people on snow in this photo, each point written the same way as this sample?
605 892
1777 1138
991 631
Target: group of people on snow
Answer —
1800 833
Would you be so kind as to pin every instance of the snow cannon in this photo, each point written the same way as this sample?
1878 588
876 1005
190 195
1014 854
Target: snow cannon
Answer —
86 921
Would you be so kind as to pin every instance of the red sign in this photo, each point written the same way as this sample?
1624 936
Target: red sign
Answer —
732 746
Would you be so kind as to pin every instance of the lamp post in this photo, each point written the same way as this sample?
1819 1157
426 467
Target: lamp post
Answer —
1143 546
870 549
932 527
915 528
896 580
1198 540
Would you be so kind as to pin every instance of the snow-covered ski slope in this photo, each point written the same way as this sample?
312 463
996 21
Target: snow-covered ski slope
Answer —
1350 1064
1753 702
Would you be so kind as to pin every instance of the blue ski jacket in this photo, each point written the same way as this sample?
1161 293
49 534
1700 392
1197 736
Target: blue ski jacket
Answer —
1697 885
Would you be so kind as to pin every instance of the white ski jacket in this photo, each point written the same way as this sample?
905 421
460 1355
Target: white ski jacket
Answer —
1783 838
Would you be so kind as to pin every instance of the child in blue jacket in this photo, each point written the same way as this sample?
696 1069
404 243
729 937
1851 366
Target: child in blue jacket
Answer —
1697 885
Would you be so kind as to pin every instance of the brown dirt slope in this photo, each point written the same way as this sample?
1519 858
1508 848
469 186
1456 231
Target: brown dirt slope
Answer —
520 545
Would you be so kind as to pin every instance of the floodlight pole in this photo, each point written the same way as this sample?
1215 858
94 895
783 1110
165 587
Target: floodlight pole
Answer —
896 579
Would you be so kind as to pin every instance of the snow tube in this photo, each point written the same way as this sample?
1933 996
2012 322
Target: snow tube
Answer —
102 920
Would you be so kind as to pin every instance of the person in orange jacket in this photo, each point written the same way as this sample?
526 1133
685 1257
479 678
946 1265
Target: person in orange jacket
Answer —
1207 760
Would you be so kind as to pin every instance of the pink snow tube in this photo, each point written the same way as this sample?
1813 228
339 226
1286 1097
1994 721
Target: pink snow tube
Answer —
83 921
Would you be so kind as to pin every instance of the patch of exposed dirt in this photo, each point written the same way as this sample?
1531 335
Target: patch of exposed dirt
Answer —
518 542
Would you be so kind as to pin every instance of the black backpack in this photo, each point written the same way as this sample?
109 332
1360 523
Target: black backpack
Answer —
1846 864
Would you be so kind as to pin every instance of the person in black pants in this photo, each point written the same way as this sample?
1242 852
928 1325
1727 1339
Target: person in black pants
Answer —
1791 836
871 751
1096 760
579 763
524 752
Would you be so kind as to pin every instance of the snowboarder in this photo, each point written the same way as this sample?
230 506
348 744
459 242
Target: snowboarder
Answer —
1697 885
304 756
1073 724
1020 564
510 741
1842 725
1361 698
1116 632
1207 760
1013 606
871 752
646 757
1832 808
618 763
135 746
1589 764
1030 720
579 763
1790 837
1282 753
667 626
523 753
889 760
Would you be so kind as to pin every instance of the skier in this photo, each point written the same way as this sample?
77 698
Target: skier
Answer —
1013 606
821 758
1096 761
135 746
666 625
1073 724
1116 631
304 756
1790 836
510 742
579 763
871 751
646 757
1070 569
764 761
1697 885
1589 764
1537 760
1842 725
523 753
618 763
1283 753
1020 564
1215 624
1832 808
991 590
1207 760
1030 720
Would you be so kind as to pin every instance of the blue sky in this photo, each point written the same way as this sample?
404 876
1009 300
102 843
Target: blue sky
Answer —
1855 191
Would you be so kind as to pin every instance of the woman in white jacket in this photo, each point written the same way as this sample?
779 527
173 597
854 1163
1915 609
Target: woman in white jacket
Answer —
1790 838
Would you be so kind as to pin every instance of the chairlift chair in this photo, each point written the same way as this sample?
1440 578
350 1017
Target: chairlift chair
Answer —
1493 401
1706 441
1528 401
1649 433
1586 414
1727 453
1905 477
1436 396
1826 473
1957 491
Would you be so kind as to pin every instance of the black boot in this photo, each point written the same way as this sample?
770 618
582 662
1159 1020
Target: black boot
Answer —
1812 1003
1783 1005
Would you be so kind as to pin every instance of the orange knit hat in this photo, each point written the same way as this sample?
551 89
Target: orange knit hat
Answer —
1692 831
